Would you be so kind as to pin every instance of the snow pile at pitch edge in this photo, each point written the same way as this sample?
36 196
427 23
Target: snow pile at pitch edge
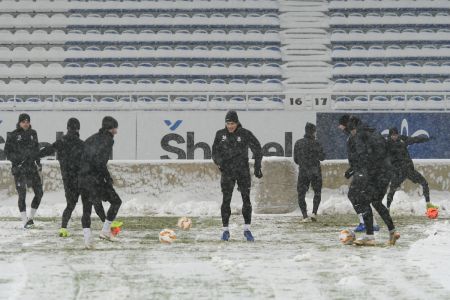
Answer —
432 254
207 202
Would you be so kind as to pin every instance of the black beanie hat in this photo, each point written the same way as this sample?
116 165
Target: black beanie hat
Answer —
23 117
344 120
232 117
310 128
353 122
392 131
73 124
109 123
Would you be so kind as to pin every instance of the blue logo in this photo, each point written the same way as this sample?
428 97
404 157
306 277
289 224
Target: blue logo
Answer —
173 126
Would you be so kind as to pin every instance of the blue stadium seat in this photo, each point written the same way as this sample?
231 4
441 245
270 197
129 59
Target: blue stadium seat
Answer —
435 98
363 99
396 81
378 81
398 98
340 65
414 80
380 98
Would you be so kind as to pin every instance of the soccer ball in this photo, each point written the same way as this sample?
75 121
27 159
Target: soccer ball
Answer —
347 236
167 236
184 223
432 213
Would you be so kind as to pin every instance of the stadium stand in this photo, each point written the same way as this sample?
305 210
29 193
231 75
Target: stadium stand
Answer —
216 54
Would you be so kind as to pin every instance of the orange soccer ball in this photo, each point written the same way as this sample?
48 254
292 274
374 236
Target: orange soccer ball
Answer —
184 223
115 231
432 213
167 236
347 236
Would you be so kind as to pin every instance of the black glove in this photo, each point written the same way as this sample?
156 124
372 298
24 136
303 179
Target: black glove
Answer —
349 173
258 173
109 180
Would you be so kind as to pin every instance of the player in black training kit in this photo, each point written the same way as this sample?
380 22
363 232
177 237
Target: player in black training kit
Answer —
230 154
95 181
22 150
307 155
370 178
353 161
403 166
69 149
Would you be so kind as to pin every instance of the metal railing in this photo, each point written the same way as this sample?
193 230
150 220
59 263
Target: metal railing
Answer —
295 100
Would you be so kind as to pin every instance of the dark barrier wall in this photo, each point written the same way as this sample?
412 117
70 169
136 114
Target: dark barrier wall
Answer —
436 125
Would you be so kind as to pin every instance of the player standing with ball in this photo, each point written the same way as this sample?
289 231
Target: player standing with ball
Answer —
95 181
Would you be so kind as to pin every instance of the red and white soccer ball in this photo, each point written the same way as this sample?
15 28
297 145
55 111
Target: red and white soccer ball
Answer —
167 236
347 236
432 213
184 223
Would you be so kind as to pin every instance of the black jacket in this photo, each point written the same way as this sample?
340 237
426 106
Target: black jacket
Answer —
370 151
96 152
351 152
398 150
69 149
22 150
308 153
230 150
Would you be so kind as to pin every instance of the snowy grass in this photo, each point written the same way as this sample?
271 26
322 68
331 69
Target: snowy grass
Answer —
289 260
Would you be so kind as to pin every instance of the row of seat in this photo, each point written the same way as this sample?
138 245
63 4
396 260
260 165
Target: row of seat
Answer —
391 80
139 72
145 85
143 23
74 50
393 87
141 63
387 70
380 47
376 5
391 36
60 37
111 33
59 18
390 102
114 6
388 63
407 29
394 14
199 81
134 30
144 102
142 98
384 98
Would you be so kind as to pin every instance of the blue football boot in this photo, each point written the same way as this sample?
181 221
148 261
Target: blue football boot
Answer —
225 235
360 228
248 235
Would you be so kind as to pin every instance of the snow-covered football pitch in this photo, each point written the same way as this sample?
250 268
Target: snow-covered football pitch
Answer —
289 260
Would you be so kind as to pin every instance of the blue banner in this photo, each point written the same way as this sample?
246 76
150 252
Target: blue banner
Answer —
436 125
